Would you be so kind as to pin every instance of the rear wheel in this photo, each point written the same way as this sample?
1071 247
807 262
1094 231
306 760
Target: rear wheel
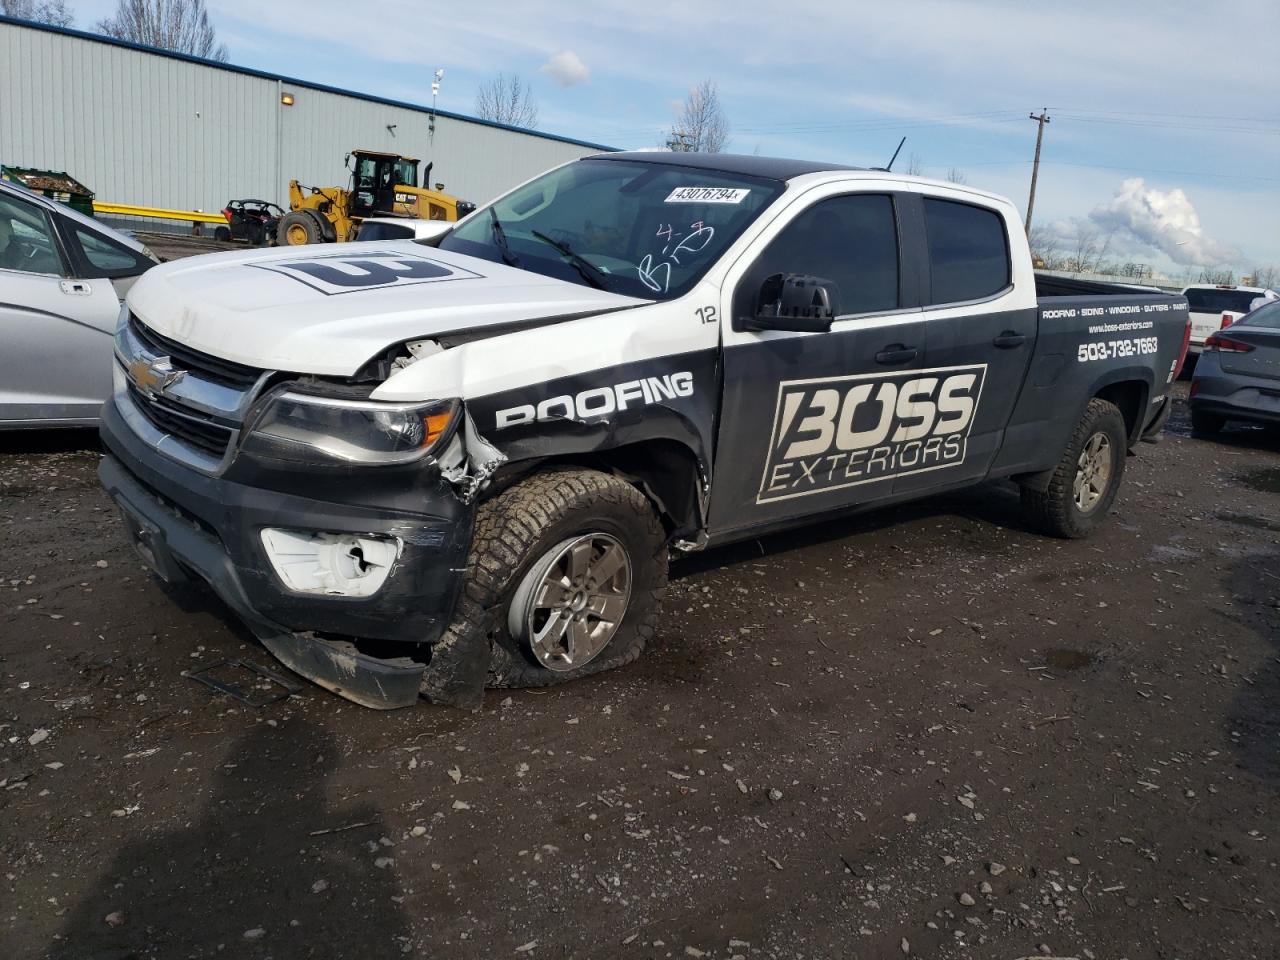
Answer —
1087 479
297 228
222 234
1206 424
565 578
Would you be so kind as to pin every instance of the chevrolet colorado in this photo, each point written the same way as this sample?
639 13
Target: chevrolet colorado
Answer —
424 466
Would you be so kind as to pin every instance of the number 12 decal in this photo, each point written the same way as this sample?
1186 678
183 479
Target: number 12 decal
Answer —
706 314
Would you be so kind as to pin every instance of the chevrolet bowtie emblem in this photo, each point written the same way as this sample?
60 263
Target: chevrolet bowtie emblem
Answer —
154 376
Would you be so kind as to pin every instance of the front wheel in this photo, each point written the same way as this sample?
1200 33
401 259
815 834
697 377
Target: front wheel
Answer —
298 228
1087 478
564 579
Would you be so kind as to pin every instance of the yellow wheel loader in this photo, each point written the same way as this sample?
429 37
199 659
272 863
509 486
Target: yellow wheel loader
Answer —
382 185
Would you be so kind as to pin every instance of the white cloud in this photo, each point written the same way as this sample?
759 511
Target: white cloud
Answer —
1163 220
566 69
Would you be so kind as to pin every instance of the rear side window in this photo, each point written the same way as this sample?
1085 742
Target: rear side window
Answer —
1267 317
104 257
1200 300
968 251
850 240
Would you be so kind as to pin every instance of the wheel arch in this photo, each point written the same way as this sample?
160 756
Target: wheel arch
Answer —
668 472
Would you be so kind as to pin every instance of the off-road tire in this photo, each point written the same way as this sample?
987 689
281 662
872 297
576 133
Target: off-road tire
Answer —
518 527
1054 510
1205 424
222 234
301 223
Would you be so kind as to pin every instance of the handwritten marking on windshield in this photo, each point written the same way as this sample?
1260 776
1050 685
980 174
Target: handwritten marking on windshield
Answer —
655 272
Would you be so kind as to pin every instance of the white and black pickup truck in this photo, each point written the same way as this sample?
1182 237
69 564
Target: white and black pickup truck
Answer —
428 466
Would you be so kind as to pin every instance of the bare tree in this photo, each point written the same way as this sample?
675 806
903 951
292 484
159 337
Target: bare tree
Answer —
702 126
1086 251
1265 277
915 166
507 99
1044 247
956 175
52 12
179 25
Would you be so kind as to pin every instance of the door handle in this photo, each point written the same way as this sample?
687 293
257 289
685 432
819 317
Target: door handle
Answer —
896 353
75 288
1008 340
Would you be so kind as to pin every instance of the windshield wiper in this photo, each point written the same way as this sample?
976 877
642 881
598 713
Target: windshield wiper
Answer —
500 238
589 271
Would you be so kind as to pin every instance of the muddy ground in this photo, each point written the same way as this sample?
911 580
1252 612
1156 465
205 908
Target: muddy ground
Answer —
925 730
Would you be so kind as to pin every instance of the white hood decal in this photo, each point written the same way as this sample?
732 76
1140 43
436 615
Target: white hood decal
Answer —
328 310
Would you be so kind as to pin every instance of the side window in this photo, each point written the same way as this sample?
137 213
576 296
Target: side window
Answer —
850 240
103 256
968 251
27 240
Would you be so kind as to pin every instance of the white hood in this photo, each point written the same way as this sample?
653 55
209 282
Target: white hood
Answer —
328 310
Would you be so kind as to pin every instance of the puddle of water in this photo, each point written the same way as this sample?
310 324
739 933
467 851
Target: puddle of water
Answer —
1064 659
1266 480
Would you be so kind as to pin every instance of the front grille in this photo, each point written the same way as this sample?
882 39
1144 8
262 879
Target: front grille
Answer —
225 372
183 424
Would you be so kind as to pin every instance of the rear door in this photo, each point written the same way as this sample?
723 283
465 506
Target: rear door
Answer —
980 323
807 419
56 330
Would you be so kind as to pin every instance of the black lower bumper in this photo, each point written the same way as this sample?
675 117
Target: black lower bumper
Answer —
190 525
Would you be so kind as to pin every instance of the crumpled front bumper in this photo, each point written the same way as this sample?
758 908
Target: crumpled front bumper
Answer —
374 650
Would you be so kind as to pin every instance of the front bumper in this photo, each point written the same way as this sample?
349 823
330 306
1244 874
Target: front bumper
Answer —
189 524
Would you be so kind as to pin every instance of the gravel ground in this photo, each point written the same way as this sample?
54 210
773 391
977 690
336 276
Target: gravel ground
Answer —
926 731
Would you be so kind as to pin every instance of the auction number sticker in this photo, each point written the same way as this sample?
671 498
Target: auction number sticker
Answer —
707 195
1110 349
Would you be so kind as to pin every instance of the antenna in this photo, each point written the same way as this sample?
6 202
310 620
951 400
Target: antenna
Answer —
895 155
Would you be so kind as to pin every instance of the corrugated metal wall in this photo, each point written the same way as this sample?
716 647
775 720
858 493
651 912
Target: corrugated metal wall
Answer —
149 129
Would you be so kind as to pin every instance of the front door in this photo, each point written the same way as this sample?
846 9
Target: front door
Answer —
813 422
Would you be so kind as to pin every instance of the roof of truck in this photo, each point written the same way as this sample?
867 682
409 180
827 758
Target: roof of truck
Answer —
773 168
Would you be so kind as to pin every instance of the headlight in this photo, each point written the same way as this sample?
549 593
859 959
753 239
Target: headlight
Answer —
300 427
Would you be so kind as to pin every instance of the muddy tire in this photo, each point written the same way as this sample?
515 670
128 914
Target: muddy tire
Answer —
529 590
1087 478
1206 424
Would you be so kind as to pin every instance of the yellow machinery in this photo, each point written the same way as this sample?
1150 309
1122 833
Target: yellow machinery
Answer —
382 185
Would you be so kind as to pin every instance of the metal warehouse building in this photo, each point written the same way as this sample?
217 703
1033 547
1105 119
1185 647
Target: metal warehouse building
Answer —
147 127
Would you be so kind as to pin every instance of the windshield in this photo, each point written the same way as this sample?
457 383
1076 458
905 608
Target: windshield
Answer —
646 230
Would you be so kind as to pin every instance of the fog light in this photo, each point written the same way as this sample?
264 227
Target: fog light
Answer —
338 564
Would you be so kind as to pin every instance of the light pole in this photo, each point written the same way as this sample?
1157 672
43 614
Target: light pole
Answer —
435 92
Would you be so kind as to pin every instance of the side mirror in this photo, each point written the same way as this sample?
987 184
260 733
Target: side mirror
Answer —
796 302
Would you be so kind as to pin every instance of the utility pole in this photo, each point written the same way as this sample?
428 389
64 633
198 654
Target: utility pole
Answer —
1042 119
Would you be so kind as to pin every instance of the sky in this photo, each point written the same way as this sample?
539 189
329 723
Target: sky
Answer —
1165 117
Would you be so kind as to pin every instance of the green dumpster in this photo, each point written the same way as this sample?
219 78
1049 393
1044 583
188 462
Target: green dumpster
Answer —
56 185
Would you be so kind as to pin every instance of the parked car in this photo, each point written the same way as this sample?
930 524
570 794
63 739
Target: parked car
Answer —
412 468
401 228
251 220
62 279
1212 304
1238 374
